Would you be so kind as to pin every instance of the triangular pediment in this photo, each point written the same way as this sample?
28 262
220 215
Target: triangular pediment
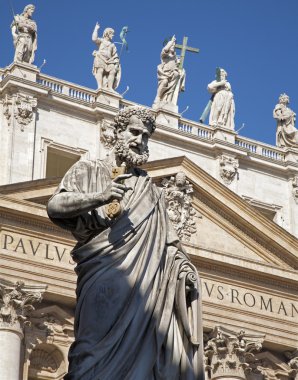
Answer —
228 226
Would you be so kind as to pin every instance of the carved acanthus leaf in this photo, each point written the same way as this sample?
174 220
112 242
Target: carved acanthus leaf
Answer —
231 354
16 302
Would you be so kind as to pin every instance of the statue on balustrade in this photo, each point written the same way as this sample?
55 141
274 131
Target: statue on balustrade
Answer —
171 78
222 112
106 65
24 33
286 134
138 313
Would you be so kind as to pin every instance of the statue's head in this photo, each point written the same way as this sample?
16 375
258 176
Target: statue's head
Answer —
109 32
284 99
180 179
223 74
133 127
29 9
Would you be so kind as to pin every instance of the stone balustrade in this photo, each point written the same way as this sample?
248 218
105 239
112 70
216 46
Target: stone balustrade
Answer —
200 130
259 148
67 88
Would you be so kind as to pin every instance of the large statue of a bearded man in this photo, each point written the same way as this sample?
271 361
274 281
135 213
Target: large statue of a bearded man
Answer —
137 315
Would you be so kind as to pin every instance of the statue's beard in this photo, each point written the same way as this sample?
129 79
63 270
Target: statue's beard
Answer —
127 155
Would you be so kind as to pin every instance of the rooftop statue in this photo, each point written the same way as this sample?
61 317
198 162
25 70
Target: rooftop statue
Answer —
24 33
286 133
138 298
222 110
171 77
106 65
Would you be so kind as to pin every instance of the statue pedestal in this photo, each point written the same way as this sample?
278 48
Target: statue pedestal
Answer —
167 114
224 134
291 154
108 98
10 343
22 70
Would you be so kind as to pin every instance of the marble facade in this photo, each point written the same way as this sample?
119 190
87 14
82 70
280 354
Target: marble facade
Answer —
243 241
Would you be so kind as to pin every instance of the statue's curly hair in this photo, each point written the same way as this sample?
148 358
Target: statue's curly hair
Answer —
121 121
28 7
284 97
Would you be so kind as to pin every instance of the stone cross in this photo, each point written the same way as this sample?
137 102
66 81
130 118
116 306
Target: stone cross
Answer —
184 48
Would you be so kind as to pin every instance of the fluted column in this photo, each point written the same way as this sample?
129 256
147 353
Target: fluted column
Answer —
15 305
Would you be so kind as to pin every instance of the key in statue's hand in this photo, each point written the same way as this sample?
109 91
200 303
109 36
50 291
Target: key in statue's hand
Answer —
116 189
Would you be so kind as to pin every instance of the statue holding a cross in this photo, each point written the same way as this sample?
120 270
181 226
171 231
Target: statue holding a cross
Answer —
171 74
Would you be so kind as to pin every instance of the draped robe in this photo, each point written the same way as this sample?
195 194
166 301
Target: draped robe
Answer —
138 313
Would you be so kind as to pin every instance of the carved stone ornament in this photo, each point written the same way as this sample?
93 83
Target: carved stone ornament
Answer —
51 329
178 198
107 136
267 366
229 354
228 168
293 363
7 108
295 188
16 303
24 109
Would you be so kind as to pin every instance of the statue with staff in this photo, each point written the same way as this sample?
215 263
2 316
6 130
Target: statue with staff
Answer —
24 33
106 66
171 73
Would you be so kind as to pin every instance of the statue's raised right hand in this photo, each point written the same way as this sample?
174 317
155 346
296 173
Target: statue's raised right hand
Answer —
115 190
97 26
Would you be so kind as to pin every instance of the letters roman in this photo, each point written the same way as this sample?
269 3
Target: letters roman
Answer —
6 240
209 291
34 250
220 296
20 244
58 253
268 304
234 291
249 299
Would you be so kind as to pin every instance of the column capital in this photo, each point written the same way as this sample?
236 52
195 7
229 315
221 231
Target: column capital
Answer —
16 302
229 354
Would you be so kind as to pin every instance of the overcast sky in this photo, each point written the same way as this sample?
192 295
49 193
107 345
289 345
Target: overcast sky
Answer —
256 41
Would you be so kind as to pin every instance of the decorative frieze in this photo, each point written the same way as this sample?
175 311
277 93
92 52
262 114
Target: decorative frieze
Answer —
178 198
229 355
228 168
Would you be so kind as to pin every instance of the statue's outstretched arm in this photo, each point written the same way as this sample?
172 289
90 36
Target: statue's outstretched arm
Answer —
95 38
70 204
